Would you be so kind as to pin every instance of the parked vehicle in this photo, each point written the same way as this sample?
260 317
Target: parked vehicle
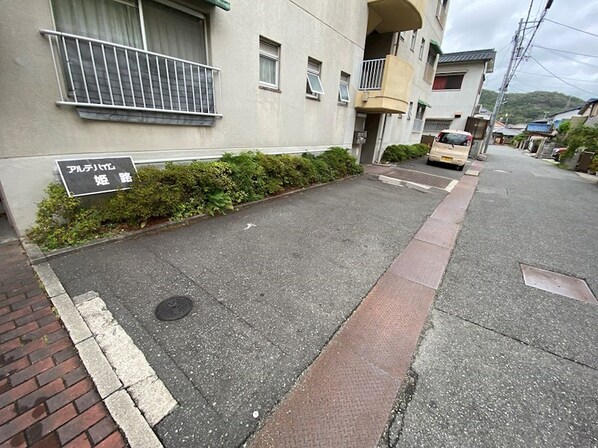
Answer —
557 152
452 147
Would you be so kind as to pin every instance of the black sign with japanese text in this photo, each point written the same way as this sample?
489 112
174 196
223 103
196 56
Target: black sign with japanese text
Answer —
83 177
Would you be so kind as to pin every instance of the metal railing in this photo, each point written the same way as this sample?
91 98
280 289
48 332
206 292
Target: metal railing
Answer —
429 73
371 74
418 125
95 73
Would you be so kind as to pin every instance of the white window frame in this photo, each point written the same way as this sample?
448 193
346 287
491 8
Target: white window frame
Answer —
344 82
409 110
314 93
413 40
271 57
422 46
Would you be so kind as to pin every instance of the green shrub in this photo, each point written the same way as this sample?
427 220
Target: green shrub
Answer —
62 222
594 164
180 191
398 153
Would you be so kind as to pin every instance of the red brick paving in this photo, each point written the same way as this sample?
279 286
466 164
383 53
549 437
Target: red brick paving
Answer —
46 397
345 397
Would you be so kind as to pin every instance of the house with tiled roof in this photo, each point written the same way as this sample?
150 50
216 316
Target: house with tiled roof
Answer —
456 88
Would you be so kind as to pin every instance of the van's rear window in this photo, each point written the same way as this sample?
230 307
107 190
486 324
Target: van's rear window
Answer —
453 139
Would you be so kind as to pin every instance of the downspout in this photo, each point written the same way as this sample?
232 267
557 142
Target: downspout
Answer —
379 152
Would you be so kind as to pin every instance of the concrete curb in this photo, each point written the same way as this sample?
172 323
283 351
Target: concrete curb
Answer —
37 256
124 397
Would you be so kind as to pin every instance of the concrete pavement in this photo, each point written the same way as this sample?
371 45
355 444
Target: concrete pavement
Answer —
504 364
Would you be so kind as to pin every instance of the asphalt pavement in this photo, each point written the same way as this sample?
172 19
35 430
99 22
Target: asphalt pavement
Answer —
502 363
271 284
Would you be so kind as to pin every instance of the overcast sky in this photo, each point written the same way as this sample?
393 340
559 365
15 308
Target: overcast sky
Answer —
477 24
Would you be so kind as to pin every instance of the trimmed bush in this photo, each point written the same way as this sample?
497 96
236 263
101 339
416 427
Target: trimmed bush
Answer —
398 153
179 191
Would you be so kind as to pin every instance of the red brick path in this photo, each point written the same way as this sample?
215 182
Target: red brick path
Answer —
47 398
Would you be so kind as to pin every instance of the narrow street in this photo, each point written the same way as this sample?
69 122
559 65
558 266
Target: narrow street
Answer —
502 363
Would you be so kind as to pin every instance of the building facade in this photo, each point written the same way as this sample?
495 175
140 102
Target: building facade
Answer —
417 50
166 80
457 88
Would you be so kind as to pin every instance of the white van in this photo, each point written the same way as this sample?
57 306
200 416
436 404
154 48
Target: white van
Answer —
451 147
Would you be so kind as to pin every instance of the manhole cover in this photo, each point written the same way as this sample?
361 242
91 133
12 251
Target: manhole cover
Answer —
174 308
564 285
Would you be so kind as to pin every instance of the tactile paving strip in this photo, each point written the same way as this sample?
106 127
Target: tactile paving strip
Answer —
421 262
441 233
346 395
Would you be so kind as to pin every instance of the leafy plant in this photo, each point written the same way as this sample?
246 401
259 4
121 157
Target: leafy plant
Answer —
181 190
61 221
398 153
581 136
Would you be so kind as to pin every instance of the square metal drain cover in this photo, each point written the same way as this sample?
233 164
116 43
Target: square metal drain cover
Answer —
564 285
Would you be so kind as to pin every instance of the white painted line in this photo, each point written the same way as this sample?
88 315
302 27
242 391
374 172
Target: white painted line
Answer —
452 185
418 187
129 419
391 181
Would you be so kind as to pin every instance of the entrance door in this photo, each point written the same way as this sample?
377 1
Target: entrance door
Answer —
368 149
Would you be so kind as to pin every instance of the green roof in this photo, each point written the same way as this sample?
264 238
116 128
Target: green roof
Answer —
436 46
224 4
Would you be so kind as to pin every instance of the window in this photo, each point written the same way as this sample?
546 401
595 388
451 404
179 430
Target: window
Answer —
269 63
421 110
413 40
432 54
173 31
314 87
409 109
421 48
448 82
401 35
152 58
343 89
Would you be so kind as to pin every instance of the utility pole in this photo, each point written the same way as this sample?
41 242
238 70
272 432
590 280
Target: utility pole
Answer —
503 87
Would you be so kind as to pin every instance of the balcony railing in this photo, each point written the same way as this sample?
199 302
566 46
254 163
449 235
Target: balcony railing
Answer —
371 74
95 73
429 73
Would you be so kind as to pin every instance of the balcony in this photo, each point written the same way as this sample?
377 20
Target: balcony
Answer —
429 73
386 16
97 74
384 85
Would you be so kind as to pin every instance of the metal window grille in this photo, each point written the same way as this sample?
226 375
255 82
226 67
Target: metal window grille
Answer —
95 73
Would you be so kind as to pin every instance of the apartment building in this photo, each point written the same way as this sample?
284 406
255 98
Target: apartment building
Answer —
457 88
413 55
181 80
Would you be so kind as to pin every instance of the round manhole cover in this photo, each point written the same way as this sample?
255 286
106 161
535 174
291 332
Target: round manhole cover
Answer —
174 308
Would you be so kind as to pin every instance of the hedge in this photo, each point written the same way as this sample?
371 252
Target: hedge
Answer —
179 191
398 153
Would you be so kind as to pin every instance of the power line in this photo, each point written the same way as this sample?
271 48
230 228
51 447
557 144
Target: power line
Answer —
566 51
577 61
557 77
563 77
572 28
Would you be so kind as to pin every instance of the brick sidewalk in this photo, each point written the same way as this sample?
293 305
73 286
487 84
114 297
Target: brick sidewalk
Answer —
47 398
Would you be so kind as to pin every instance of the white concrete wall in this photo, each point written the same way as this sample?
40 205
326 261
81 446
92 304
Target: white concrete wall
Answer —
446 103
399 128
35 131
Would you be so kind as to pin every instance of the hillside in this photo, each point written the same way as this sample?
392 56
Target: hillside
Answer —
526 107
